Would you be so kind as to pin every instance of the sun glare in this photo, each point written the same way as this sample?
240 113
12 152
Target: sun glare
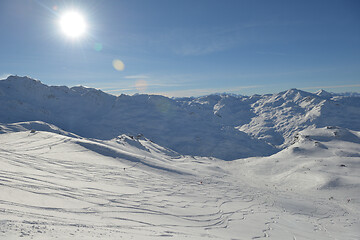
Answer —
73 24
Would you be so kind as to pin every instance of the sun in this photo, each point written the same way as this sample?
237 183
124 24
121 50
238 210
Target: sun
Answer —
73 24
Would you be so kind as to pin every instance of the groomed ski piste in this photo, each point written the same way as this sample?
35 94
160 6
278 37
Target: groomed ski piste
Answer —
60 184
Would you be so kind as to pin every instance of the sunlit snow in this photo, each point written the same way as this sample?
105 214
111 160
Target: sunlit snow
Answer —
292 169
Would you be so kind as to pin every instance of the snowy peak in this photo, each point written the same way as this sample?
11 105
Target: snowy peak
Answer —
323 93
295 95
29 86
22 80
22 85
328 141
132 141
139 142
92 93
331 133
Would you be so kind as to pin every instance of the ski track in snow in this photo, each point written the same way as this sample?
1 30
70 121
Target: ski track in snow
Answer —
53 187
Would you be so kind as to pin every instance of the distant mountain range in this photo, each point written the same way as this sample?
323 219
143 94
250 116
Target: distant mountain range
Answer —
222 125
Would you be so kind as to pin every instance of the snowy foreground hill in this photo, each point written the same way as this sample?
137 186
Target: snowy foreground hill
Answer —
77 163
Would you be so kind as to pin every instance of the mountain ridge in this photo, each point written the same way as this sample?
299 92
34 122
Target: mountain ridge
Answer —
223 126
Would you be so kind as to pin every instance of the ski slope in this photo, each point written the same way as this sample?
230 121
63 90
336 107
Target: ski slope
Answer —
55 184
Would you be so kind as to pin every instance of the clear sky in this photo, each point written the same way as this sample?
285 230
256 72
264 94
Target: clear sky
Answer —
186 47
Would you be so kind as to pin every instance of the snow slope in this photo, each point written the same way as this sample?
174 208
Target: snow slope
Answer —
318 175
54 185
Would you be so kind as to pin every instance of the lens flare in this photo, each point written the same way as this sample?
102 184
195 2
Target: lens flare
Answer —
141 85
118 65
98 47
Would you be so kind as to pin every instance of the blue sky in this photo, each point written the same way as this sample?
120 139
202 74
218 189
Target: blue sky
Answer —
186 47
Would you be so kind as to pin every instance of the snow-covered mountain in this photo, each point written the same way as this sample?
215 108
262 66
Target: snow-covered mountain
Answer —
279 117
222 126
77 163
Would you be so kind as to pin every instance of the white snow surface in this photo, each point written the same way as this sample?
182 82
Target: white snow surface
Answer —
54 185
77 163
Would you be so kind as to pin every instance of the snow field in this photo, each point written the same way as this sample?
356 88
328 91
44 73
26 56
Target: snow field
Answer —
56 186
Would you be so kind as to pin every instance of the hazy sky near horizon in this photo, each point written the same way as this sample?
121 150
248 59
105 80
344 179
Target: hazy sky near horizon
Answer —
186 47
